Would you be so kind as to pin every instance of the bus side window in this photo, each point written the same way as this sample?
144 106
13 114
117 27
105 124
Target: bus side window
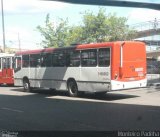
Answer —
104 57
25 61
43 60
8 62
89 58
73 59
55 59
58 59
3 63
13 62
35 60
19 62
68 57
46 60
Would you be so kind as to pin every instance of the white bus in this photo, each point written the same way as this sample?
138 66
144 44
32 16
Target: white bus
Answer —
99 67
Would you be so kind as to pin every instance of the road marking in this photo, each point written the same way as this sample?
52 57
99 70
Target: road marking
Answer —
10 109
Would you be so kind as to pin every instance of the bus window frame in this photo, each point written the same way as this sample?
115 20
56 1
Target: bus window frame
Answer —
24 61
37 61
71 59
89 58
58 58
8 62
99 57
16 63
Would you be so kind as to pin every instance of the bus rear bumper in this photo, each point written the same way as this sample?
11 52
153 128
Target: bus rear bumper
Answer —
117 85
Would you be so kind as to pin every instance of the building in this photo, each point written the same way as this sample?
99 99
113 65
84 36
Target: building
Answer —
154 55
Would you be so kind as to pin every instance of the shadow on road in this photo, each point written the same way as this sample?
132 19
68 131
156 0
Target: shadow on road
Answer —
46 110
39 112
105 97
153 88
4 85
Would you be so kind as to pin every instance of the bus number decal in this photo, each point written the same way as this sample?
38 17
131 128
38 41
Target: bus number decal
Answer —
103 73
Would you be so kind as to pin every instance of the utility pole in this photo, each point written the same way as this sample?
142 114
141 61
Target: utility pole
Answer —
3 29
19 43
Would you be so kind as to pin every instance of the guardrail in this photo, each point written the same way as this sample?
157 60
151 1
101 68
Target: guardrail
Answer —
153 79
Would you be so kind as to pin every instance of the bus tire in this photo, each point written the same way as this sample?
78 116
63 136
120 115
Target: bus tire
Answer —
72 88
26 85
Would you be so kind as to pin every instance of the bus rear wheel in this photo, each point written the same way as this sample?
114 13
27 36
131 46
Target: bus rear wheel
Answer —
26 85
72 88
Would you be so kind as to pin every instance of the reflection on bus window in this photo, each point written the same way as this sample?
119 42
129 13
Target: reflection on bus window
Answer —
58 59
35 60
89 58
8 62
25 61
46 60
73 58
3 63
104 57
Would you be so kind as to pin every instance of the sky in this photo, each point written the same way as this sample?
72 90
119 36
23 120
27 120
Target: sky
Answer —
22 17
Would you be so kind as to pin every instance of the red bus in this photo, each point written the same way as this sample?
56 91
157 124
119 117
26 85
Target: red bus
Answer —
6 69
99 67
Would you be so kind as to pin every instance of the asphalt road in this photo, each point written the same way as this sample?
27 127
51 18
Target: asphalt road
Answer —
43 110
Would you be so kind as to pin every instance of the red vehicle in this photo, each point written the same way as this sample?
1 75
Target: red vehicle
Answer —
6 69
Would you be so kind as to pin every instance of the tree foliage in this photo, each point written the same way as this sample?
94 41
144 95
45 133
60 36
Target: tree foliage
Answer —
54 35
94 28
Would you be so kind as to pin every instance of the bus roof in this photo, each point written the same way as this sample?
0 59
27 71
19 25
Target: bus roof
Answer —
77 47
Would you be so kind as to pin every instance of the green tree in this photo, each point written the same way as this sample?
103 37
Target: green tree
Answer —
94 28
55 35
102 27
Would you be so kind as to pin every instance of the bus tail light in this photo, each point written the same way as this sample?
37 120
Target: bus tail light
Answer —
116 76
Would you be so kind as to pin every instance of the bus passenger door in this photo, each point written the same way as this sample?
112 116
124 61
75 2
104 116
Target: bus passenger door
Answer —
17 64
